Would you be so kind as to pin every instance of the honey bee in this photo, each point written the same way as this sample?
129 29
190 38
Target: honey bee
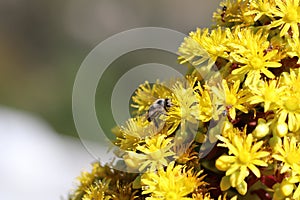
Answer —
159 107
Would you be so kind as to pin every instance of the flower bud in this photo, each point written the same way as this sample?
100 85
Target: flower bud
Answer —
286 188
261 130
223 163
281 129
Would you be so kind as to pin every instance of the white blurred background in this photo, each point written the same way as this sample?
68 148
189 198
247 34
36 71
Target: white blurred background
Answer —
35 161
42 46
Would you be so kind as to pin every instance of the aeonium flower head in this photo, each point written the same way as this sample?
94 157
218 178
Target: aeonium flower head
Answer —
254 107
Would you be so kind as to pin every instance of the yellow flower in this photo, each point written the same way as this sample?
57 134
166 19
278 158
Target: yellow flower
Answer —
201 46
135 130
185 153
94 184
242 17
234 13
288 12
290 109
282 97
230 98
288 154
261 8
153 154
123 191
244 154
87 178
170 184
97 191
268 93
250 52
224 14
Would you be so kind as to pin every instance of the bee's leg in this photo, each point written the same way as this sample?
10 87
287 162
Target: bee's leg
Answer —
156 122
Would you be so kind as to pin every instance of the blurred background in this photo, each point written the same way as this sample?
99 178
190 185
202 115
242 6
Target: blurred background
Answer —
42 44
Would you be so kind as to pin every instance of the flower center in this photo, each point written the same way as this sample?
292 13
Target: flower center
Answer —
291 16
156 155
256 63
230 99
244 157
172 195
291 104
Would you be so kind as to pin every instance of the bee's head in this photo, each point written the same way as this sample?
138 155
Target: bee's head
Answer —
166 103
160 102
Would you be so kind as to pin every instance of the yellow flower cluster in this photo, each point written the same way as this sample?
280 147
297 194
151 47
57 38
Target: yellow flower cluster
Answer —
239 103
